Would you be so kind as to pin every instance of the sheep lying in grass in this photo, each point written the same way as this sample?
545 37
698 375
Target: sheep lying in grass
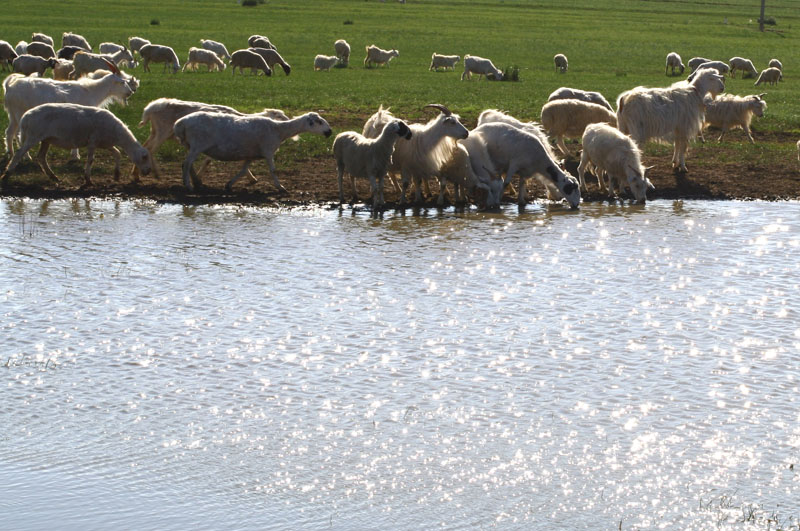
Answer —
342 51
769 75
728 111
745 65
444 61
569 118
367 158
674 61
72 126
566 93
560 60
201 56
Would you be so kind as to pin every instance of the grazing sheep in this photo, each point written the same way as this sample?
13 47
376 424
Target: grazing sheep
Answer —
156 53
325 62
201 56
118 54
443 61
695 62
721 67
561 63
378 56
774 63
566 93
72 126
41 37
87 62
259 41
674 61
162 114
242 59
236 138
21 48
367 158
110 48
569 118
342 51
30 64
673 114
68 52
481 66
272 57
41 49
216 47
73 39
769 75
135 43
728 111
7 55
616 154
62 70
745 65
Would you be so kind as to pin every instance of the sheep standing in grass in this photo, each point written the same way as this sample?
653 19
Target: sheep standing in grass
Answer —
774 63
444 61
745 65
73 39
342 51
674 113
695 62
7 54
41 37
481 66
728 111
30 64
62 70
259 41
566 93
135 43
769 75
325 62
272 58
68 52
569 118
561 63
367 158
240 138
378 56
201 56
721 67
674 61
41 49
242 59
157 53
72 126
21 48
216 47
85 62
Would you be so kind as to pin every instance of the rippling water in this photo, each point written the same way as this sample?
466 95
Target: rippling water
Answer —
170 367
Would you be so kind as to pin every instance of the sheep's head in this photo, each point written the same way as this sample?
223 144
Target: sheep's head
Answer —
141 157
567 185
317 124
403 131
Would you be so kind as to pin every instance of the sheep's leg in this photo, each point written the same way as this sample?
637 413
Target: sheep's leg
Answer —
725 130
405 180
373 186
417 189
275 180
749 135
582 170
340 178
353 191
229 186
23 149
11 132
561 145
442 187
521 199
87 174
187 170
380 188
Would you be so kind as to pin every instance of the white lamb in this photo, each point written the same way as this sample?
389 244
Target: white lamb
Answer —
240 138
367 158
607 150
728 111
216 47
201 56
72 126
325 62
569 118
674 61
342 51
481 66
444 61
566 93
560 60
378 56
769 75
745 65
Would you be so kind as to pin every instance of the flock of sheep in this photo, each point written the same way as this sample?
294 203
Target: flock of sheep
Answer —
70 113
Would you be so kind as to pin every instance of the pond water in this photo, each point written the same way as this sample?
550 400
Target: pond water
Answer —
174 367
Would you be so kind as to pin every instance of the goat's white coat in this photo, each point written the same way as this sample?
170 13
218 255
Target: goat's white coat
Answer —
769 75
481 66
157 53
216 47
325 62
202 56
566 93
728 111
608 150
379 56
674 61
443 61
569 118
745 65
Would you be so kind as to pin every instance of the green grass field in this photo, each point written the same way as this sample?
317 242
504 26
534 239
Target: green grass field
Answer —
612 45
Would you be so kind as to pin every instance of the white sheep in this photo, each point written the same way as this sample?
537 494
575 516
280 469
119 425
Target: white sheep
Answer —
135 43
31 64
260 41
378 56
367 158
272 58
235 138
86 62
481 66
201 56
325 62
7 54
21 48
561 63
774 63
110 47
41 37
606 149
242 59
745 65
674 61
721 67
695 62
41 49
444 61
72 126
568 118
216 47
769 75
157 53
470 170
728 111
73 39
342 51
672 114
566 93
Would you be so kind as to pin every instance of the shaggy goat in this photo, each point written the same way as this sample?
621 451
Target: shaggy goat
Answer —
378 56
236 138
674 61
342 51
569 118
444 61
728 111
566 93
561 63
325 62
481 66
201 56
216 47
745 65
156 53
672 114
73 39
72 126
31 64
769 75
7 54
242 59
272 58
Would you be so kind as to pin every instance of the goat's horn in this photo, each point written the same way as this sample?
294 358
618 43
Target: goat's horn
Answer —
441 107
112 66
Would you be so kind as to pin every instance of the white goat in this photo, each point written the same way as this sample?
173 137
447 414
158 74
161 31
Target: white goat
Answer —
674 61
31 64
157 53
216 47
7 54
561 63
23 93
695 62
135 43
367 158
201 56
566 93
774 63
325 62
272 58
481 66
73 39
608 150
672 114
72 126
41 49
422 157
162 114
342 51
569 118
236 138
242 59
378 56
443 61
728 111
41 37
769 75
745 65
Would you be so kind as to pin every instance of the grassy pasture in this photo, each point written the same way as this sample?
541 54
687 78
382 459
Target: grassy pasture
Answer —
612 45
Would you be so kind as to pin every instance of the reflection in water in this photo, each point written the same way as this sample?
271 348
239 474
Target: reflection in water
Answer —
218 366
